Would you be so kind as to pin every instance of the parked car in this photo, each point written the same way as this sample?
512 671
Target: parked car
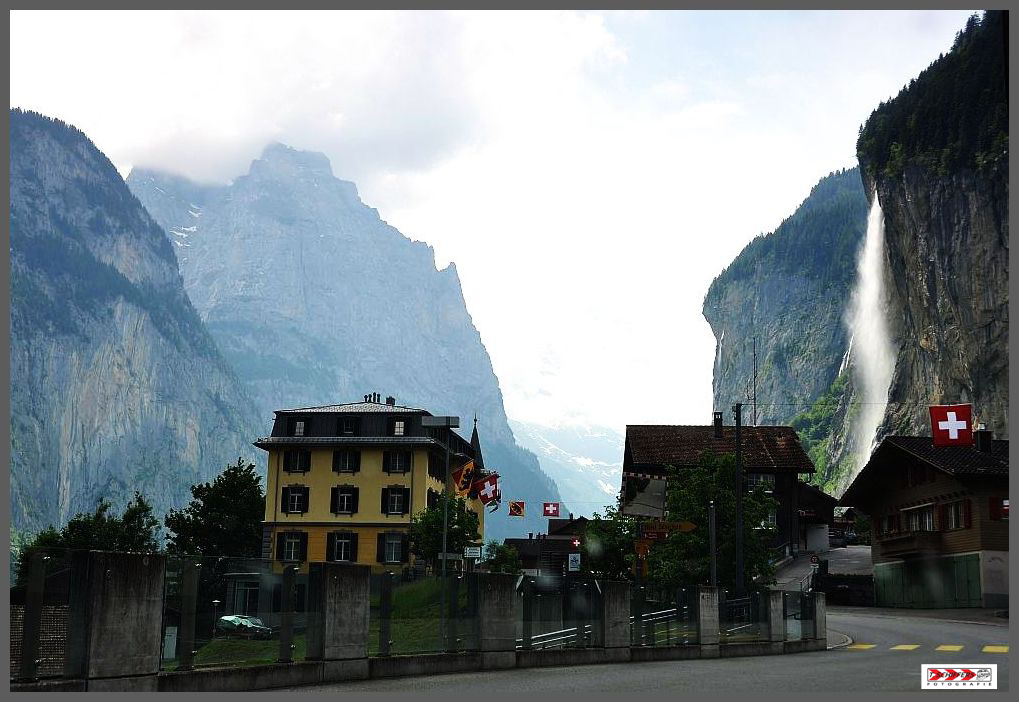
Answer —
243 626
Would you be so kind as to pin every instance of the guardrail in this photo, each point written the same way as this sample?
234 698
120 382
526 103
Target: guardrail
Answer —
561 638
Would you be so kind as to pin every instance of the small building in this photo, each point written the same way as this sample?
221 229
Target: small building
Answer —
548 554
344 480
770 455
816 517
939 521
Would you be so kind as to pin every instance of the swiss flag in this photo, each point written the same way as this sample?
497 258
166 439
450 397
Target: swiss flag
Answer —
551 509
487 489
952 425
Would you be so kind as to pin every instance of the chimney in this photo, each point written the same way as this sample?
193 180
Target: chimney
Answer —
571 516
530 535
391 401
983 439
718 425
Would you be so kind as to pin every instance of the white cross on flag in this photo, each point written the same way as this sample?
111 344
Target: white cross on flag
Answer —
488 489
952 425
551 509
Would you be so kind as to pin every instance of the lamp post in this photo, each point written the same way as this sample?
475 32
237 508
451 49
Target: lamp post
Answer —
449 423
215 616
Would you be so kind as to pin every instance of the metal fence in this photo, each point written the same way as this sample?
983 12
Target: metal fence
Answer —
798 615
743 619
558 612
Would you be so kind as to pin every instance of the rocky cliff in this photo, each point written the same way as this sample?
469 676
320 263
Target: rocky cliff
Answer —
788 289
937 156
115 384
314 299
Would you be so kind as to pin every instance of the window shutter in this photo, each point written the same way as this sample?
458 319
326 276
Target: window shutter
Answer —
404 551
385 501
330 545
353 546
357 461
336 461
279 546
286 499
967 513
334 500
304 499
305 460
380 554
304 545
406 500
353 500
289 460
994 507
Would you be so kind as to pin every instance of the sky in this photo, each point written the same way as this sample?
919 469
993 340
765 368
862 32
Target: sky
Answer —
589 173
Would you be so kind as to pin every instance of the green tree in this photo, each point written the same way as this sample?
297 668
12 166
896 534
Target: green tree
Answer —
683 558
136 530
607 546
426 529
500 558
224 517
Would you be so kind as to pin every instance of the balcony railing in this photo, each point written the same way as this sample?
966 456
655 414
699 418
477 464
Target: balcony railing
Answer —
909 542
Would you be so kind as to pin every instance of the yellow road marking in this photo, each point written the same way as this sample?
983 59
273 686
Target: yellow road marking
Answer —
948 647
995 649
905 647
861 647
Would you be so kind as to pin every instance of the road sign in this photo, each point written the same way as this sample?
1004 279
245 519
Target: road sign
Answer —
814 559
661 530
472 552
574 562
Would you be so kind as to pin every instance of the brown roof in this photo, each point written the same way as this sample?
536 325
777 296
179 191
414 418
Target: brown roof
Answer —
959 461
763 449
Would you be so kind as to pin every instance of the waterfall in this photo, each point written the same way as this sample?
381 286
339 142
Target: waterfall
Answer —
873 358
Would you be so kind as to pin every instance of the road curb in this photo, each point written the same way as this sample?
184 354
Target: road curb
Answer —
847 640
1002 623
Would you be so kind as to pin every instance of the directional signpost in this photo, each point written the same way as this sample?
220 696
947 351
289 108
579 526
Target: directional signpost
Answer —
472 552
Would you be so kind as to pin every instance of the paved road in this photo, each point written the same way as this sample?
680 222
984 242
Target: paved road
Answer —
870 665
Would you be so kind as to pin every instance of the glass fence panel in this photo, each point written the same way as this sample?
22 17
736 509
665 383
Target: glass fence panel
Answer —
743 619
39 610
792 608
661 617
557 611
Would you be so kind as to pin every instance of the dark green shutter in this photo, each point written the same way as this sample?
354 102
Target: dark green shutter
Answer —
385 501
404 550
967 513
406 500
380 554
305 461
353 500
336 461
286 499
304 545
305 499
353 546
279 546
330 545
334 500
387 457
356 455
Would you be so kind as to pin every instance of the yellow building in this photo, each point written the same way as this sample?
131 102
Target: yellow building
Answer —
344 480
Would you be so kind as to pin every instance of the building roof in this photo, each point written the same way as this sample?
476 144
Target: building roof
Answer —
567 526
355 408
957 461
267 441
479 460
535 547
763 448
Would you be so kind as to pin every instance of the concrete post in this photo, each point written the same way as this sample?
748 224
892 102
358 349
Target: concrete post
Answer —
528 611
820 617
32 628
496 621
339 598
115 620
287 613
776 616
452 581
707 620
615 603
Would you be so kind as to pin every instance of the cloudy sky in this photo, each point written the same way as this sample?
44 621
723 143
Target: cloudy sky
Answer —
589 173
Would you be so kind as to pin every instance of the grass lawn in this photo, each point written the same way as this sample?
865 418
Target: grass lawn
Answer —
240 652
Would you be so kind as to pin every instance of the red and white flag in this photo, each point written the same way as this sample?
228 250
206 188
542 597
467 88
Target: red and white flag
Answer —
551 509
487 488
952 425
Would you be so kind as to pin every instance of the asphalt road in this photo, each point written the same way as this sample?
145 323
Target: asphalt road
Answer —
869 665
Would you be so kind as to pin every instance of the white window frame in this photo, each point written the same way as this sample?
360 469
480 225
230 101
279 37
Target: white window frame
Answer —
400 461
342 539
393 548
395 501
345 492
346 461
295 501
920 518
755 479
399 427
298 427
955 515
292 547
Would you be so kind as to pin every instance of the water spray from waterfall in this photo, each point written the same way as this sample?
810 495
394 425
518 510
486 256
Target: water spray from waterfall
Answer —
872 355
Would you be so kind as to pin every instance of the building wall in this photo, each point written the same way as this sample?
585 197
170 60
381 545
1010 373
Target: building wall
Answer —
937 582
994 578
368 521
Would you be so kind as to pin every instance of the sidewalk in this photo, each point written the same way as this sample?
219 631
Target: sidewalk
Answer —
970 615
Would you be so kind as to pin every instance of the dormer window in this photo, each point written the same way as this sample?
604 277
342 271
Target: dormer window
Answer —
297 427
347 426
399 426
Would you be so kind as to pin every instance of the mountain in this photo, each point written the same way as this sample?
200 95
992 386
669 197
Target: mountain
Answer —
116 385
585 462
937 157
314 299
788 289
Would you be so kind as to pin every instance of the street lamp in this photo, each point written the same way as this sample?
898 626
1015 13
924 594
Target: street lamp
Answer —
449 423
215 616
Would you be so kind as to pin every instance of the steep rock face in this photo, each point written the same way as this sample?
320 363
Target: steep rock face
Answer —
789 290
314 299
115 384
937 155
